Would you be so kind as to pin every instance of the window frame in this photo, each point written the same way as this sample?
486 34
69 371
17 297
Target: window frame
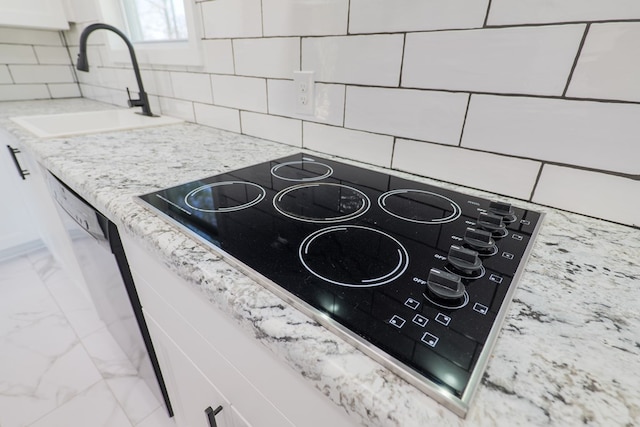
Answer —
185 53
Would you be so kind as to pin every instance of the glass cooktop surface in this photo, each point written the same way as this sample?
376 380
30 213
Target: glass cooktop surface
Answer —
416 276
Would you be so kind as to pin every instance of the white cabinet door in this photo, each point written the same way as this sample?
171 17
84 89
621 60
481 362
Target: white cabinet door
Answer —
29 213
43 14
17 229
190 392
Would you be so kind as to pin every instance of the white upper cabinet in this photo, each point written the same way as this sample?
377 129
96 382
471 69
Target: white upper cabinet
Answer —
42 14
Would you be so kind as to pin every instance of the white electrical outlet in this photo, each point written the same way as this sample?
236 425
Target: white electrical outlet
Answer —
304 92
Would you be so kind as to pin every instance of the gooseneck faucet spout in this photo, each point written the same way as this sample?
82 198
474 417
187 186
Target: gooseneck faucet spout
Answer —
83 64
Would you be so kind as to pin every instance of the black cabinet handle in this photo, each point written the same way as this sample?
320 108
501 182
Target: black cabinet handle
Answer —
23 172
211 415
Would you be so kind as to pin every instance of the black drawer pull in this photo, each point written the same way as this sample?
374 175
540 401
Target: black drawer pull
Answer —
211 415
23 172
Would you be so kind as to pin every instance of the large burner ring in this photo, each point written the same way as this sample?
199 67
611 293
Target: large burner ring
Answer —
353 256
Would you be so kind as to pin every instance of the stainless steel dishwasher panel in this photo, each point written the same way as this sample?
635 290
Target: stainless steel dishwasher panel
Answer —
97 246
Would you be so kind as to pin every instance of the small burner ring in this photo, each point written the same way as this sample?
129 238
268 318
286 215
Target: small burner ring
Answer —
447 205
319 175
257 199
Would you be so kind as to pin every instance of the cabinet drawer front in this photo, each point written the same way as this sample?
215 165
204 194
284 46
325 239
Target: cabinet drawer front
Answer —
215 367
191 392
286 389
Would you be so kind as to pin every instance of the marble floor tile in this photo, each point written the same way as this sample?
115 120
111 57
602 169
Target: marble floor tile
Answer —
121 375
158 418
96 407
42 363
134 396
76 306
14 266
107 355
59 365
19 285
42 366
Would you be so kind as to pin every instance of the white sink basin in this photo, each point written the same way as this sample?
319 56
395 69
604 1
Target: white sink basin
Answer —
57 125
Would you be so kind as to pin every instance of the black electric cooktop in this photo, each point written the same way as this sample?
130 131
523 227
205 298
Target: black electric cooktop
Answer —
416 276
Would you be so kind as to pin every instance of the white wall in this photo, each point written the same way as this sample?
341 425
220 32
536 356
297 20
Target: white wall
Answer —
536 100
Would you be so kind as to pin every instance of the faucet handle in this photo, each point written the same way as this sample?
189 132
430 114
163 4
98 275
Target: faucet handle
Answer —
134 102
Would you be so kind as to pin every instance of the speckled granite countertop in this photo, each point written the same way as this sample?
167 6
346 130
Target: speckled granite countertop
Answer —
568 354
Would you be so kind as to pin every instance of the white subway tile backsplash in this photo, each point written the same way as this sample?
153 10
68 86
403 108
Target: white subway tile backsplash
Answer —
64 90
267 57
192 87
41 73
218 56
419 114
329 102
367 60
157 82
609 64
5 76
154 102
119 97
93 55
121 78
232 18
499 174
508 12
279 129
217 117
98 93
305 18
351 144
590 134
52 55
177 108
526 60
97 76
17 54
387 16
244 93
590 193
21 92
461 101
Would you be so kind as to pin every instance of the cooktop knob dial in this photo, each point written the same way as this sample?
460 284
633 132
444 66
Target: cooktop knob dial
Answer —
465 260
492 223
445 285
480 240
502 209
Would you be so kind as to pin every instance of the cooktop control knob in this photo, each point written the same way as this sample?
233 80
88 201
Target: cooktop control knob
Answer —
502 209
480 240
445 285
463 259
493 223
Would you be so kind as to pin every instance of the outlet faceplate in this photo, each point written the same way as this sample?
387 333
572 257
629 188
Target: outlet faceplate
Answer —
304 92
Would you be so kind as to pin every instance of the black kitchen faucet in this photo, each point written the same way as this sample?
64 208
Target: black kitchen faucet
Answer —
83 64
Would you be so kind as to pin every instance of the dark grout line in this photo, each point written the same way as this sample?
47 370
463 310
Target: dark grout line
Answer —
464 121
486 16
576 59
535 183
